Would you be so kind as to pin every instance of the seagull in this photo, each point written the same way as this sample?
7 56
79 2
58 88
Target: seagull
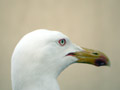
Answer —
40 56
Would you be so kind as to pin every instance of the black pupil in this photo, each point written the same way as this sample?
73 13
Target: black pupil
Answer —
62 41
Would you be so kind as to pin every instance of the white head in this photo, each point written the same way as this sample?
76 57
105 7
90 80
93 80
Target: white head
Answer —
42 54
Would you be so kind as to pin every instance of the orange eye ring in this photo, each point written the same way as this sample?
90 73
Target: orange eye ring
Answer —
62 42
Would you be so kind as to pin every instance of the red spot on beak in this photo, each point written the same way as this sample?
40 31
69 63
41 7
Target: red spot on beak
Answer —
102 61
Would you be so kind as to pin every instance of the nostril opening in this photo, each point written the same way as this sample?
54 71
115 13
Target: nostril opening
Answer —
95 53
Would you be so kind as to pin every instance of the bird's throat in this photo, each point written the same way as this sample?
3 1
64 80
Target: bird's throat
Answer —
43 83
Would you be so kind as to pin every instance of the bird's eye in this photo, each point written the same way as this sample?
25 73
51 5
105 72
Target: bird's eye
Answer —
62 42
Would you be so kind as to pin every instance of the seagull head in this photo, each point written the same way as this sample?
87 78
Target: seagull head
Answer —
47 53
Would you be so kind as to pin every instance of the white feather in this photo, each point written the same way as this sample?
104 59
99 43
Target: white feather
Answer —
38 59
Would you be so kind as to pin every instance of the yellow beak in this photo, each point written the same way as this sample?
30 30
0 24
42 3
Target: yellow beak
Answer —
93 57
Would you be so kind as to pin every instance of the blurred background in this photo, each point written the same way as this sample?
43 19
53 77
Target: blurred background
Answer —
89 23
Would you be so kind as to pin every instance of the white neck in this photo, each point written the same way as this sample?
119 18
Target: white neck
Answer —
34 81
42 84
32 76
